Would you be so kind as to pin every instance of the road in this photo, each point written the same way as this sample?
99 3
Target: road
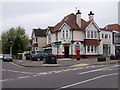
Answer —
95 76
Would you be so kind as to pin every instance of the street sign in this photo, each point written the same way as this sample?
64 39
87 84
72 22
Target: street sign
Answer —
56 44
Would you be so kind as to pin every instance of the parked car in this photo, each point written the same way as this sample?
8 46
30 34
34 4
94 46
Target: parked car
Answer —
42 56
30 54
7 57
1 56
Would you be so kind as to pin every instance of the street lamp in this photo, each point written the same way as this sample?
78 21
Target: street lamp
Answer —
11 48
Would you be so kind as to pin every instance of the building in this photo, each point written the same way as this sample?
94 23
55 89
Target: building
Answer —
116 37
73 33
38 39
106 44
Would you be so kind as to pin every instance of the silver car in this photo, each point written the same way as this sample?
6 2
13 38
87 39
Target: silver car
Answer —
7 57
1 56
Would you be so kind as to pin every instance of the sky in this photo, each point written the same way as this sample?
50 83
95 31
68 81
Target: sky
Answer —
33 14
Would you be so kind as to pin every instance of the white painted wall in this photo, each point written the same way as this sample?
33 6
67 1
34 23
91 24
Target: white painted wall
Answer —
106 41
78 35
91 27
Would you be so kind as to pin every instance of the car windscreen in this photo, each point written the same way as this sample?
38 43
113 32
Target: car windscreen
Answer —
7 55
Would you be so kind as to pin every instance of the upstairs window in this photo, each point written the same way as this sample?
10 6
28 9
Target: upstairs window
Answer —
102 35
49 38
65 33
36 39
106 36
95 36
91 34
88 34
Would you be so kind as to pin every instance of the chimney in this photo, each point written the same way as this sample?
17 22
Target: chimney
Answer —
91 16
78 18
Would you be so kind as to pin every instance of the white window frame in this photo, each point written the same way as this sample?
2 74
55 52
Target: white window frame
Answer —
49 38
65 33
36 39
90 48
91 34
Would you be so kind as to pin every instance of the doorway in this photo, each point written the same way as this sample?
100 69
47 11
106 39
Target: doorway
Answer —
106 49
66 52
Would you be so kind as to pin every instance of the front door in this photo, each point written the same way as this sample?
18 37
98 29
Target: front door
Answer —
66 52
106 49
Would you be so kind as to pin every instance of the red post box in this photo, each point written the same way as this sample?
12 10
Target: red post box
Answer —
78 54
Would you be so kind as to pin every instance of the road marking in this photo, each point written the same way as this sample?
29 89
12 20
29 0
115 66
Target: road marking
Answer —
78 65
5 80
97 70
36 75
23 77
16 65
93 66
17 71
111 69
67 86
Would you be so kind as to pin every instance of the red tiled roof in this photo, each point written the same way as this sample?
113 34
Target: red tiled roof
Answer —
104 29
71 21
115 27
91 42
51 28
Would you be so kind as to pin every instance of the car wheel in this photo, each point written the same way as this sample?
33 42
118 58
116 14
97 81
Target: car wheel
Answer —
38 59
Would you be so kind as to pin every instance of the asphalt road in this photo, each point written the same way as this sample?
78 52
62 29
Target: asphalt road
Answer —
97 76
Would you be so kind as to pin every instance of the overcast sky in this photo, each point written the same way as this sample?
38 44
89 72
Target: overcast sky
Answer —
44 14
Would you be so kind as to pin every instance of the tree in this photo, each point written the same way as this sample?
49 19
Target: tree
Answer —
17 37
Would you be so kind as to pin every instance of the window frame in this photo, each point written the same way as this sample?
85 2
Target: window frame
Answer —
65 33
91 34
90 49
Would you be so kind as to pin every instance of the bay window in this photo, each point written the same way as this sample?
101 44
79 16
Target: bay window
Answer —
91 49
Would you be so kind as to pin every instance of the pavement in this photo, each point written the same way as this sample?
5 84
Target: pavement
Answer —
64 62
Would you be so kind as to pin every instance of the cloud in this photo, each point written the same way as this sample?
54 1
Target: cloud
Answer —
29 15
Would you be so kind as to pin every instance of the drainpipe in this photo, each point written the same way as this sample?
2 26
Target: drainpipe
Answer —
57 41
72 44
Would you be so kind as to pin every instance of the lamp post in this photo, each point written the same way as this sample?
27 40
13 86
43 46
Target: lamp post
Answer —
11 48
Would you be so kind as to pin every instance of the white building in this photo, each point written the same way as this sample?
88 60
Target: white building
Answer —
116 37
106 44
73 33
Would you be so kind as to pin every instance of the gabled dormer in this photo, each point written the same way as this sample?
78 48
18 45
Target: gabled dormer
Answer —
92 30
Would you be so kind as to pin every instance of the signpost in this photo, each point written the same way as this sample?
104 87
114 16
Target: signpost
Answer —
57 45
